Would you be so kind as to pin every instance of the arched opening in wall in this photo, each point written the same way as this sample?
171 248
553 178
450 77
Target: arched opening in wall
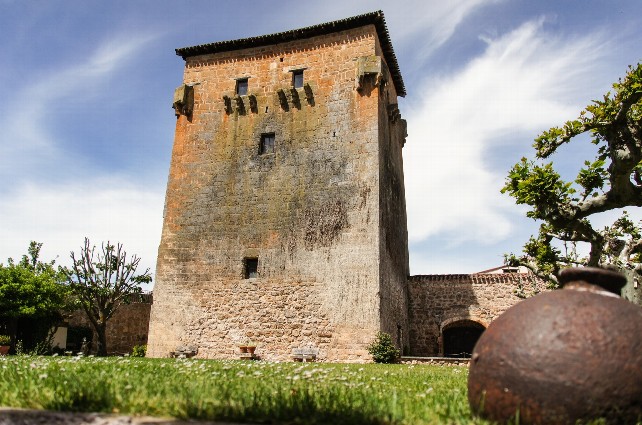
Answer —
460 337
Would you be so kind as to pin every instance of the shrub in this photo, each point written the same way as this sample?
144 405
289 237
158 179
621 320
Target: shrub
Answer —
382 349
139 350
5 340
20 348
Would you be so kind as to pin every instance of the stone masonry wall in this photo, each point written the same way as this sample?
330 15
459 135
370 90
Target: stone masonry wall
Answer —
309 211
393 240
437 301
127 328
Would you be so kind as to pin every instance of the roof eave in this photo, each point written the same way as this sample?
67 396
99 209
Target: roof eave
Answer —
374 18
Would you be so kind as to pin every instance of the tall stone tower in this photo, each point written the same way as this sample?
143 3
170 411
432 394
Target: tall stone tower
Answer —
285 218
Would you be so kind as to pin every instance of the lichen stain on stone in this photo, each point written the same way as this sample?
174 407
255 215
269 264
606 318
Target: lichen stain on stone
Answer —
324 225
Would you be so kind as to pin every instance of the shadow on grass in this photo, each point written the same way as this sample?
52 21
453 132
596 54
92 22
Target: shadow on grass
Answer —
295 407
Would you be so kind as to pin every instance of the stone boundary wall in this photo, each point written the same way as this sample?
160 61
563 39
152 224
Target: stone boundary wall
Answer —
127 328
439 301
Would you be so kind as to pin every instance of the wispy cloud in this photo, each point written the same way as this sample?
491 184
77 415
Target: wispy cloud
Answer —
424 24
429 24
27 140
524 82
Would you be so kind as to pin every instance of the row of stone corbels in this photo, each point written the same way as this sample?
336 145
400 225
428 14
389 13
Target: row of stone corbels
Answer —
240 103
292 96
286 97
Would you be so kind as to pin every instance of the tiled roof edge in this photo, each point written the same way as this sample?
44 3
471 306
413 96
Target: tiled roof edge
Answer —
375 18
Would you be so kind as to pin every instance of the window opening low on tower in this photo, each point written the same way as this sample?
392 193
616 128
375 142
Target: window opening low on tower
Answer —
251 268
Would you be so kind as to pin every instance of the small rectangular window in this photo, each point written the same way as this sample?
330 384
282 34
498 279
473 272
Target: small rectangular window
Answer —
267 143
241 86
297 78
251 268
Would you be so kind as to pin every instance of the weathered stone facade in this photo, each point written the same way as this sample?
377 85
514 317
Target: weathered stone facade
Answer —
305 183
442 302
285 218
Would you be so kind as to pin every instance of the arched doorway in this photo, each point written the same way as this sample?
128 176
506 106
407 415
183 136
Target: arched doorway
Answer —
459 338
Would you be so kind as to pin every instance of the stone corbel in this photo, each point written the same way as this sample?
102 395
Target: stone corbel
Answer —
369 73
253 103
309 94
283 99
294 98
393 112
240 105
183 100
228 104
403 131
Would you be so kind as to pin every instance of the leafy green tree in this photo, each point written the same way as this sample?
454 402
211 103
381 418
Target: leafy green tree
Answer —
611 181
102 281
33 291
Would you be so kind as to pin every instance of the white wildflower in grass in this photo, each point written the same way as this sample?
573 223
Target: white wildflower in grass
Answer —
238 391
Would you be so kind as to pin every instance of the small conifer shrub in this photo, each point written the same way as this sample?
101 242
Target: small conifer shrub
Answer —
382 349
139 350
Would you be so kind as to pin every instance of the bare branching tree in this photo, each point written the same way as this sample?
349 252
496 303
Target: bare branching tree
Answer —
102 281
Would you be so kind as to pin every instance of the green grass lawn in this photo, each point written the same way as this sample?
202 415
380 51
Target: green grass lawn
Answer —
239 391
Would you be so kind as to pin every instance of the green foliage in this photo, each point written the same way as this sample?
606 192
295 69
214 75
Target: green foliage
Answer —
5 340
537 186
139 350
382 349
592 178
613 180
31 288
237 391
102 281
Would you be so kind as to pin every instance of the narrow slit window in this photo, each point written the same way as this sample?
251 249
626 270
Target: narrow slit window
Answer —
241 86
297 78
267 143
251 268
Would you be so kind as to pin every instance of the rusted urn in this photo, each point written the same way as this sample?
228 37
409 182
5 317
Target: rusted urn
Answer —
562 356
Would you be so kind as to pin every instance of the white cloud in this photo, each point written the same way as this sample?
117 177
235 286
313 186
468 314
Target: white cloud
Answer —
431 23
522 83
62 216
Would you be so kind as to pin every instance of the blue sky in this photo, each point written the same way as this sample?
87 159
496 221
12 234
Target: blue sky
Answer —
86 125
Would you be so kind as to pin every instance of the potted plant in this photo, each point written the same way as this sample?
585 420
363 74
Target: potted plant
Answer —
251 347
5 343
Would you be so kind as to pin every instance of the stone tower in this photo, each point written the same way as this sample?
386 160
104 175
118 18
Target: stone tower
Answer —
285 217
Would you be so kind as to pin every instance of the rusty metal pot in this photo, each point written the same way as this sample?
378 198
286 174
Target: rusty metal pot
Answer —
562 356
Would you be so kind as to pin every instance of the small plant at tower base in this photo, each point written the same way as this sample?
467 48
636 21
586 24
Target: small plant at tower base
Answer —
139 350
382 349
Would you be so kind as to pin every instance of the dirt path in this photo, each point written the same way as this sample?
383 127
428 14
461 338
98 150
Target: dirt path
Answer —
11 416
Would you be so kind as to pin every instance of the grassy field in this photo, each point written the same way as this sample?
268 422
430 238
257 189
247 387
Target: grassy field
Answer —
239 391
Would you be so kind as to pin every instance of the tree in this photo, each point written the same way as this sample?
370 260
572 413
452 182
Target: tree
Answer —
102 281
382 349
612 181
32 292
